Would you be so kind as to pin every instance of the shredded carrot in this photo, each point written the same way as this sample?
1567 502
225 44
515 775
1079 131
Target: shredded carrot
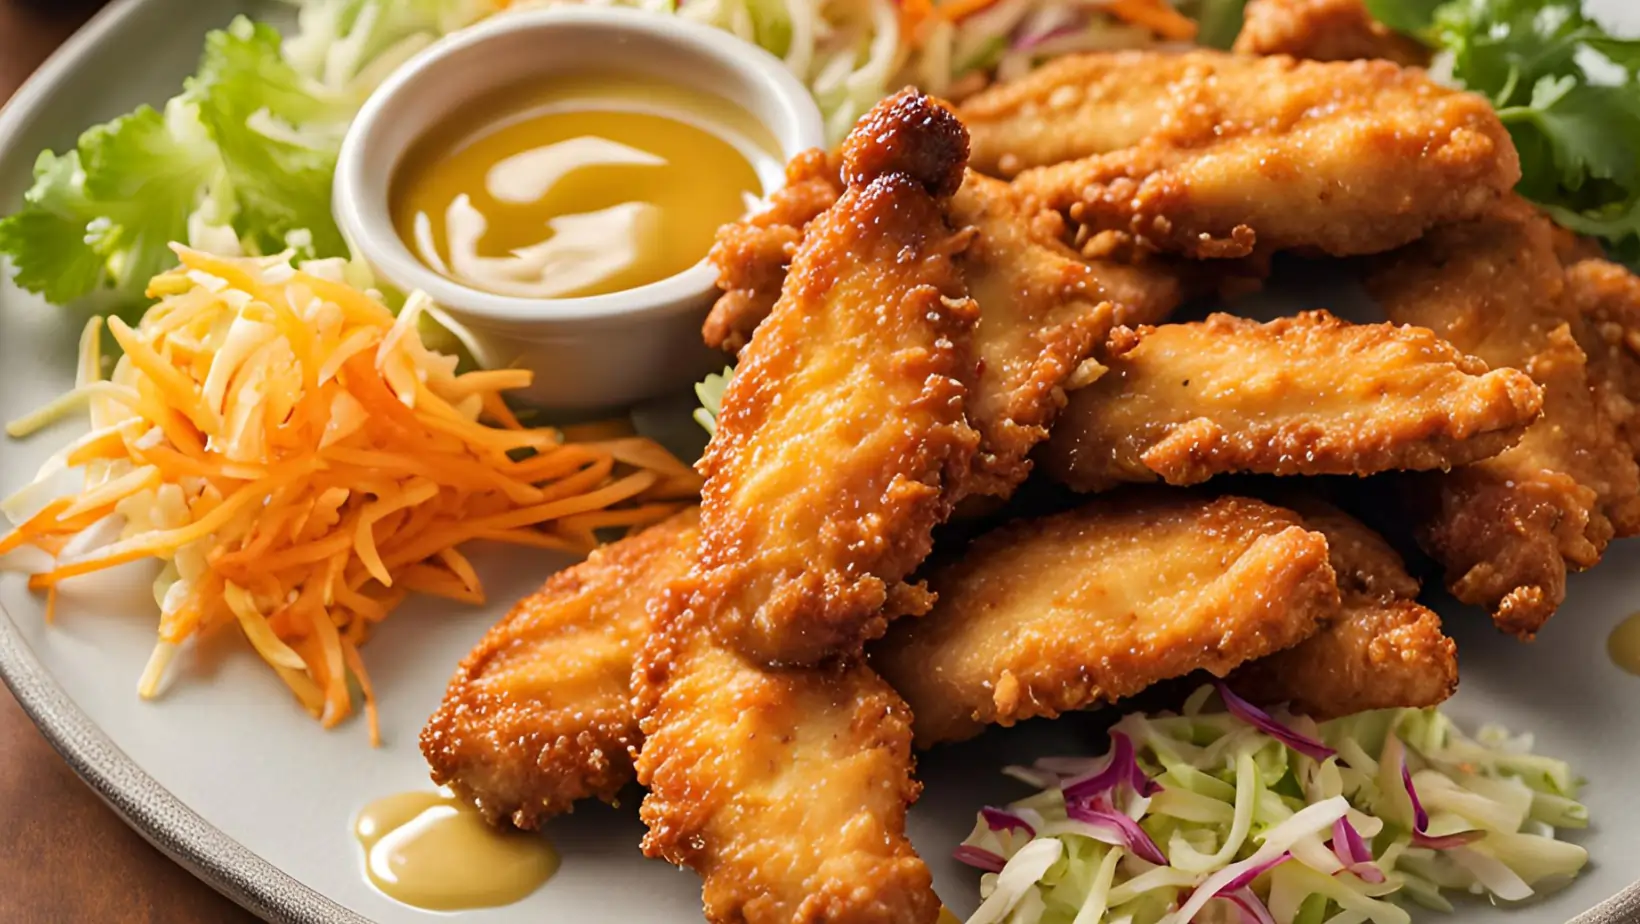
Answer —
331 466
1155 15
958 10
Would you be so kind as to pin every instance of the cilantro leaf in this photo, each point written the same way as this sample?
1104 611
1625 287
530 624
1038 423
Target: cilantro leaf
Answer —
1409 16
1578 137
51 254
101 215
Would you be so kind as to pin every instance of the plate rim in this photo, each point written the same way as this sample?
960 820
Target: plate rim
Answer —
150 809
153 811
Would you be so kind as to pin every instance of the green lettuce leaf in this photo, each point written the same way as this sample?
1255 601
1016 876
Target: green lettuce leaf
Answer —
100 216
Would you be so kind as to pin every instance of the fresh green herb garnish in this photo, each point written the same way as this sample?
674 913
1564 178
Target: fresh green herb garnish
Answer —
1568 91
241 160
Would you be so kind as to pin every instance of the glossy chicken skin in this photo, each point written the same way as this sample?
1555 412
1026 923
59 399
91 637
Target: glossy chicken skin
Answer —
539 715
1508 529
1305 395
1339 158
1383 651
1070 611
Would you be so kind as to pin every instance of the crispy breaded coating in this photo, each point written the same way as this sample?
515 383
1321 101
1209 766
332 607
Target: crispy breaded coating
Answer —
752 254
1340 158
1324 30
786 789
1508 529
1305 395
1045 616
1042 312
1384 651
539 715
843 435
1606 297
1076 106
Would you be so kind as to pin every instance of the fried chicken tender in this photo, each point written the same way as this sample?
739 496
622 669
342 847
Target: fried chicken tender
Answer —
1384 651
539 715
1324 30
1045 616
1042 312
1305 395
1508 529
843 436
786 789
1606 297
753 254
1339 158
1076 106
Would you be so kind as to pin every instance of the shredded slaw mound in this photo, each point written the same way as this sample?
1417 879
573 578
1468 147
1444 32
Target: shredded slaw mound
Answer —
300 461
1242 816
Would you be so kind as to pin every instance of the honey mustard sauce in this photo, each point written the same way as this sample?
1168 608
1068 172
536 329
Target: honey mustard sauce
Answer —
579 186
431 851
1623 645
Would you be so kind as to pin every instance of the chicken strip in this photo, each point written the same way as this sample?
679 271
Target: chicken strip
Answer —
1039 321
539 715
1606 297
1340 158
1508 529
1383 651
843 435
752 255
1046 616
1076 106
786 789
1324 30
1305 395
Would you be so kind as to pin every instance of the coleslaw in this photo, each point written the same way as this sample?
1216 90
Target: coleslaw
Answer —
1235 814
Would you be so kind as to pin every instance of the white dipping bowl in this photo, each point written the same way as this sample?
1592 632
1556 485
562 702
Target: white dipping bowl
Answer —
602 351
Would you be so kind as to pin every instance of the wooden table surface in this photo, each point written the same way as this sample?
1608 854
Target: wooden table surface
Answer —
64 856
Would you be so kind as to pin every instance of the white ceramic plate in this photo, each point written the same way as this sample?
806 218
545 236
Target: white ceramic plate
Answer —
229 777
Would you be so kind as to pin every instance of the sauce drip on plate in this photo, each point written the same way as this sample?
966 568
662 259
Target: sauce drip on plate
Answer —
1623 645
583 187
428 850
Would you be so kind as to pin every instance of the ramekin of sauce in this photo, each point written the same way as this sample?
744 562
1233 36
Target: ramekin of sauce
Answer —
553 179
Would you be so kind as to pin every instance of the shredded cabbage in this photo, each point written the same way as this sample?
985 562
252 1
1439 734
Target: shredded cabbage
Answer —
710 392
1254 829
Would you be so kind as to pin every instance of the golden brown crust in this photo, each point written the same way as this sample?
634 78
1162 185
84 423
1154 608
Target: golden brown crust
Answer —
1384 651
1340 158
786 789
1606 297
1384 655
1080 105
1042 312
843 435
1306 395
1045 616
1507 529
752 254
538 716
1324 30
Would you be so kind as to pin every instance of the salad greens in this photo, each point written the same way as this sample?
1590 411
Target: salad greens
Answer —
1235 814
1568 91
709 391
239 162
